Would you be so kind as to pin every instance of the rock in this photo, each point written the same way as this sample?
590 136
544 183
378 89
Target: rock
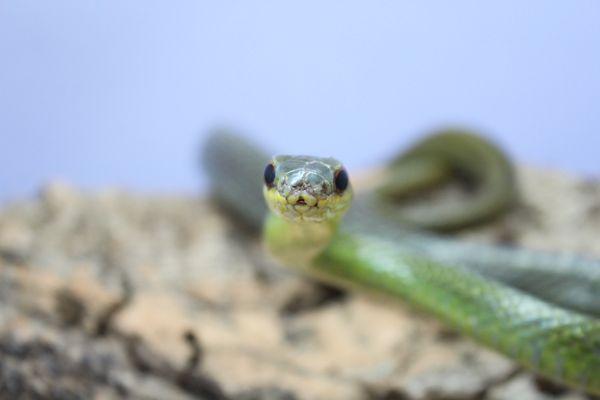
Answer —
523 388
101 293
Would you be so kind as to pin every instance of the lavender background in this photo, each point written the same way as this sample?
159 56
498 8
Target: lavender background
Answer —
104 93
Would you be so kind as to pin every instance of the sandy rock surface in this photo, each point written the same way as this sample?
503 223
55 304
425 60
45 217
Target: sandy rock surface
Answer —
113 295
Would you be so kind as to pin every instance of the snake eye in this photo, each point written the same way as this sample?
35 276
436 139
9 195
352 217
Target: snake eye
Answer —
269 175
341 180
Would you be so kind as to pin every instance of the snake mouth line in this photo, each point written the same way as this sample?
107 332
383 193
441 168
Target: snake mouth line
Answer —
304 207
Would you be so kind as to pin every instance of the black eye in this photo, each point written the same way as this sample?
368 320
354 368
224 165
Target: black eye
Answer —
341 180
269 174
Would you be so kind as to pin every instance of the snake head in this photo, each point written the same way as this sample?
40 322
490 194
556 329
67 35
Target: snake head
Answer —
309 189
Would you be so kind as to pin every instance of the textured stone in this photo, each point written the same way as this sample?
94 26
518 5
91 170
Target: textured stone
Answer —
112 294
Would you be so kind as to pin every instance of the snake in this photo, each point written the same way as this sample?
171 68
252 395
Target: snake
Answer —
540 309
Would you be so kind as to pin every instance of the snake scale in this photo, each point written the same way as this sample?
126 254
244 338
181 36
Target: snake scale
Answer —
540 309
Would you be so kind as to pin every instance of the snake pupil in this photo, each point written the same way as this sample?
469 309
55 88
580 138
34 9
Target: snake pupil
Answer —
269 174
341 180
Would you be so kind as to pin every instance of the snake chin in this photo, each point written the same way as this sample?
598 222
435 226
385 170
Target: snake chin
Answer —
302 213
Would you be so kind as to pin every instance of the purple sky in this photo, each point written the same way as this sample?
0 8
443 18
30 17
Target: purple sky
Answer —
104 93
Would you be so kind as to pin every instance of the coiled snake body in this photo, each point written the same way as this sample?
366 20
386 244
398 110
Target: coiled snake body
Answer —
539 309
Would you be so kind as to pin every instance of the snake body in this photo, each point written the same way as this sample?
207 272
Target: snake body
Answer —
439 157
539 309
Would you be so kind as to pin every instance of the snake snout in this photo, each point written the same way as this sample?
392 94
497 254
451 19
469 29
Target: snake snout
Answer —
302 199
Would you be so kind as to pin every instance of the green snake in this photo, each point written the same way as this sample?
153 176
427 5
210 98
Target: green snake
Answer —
540 309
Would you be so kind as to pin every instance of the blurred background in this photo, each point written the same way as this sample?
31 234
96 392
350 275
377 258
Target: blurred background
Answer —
114 93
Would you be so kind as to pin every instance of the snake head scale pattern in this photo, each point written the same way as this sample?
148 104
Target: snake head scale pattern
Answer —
307 189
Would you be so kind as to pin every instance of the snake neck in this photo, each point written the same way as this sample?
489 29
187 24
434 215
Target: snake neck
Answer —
297 243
